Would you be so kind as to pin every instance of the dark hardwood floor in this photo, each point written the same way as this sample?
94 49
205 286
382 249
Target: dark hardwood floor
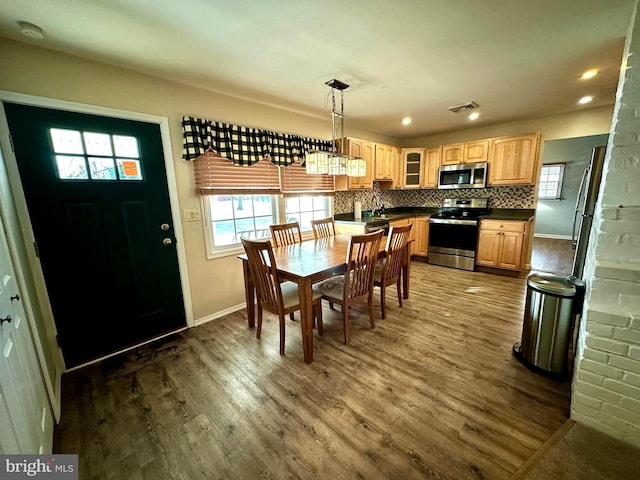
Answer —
552 255
433 392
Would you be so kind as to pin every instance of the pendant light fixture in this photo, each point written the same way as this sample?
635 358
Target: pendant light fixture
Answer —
335 162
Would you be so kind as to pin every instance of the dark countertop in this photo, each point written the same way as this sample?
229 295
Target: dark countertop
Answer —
391 214
519 214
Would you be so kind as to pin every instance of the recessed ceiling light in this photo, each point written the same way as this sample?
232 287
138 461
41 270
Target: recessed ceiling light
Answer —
589 74
30 30
474 116
586 99
406 120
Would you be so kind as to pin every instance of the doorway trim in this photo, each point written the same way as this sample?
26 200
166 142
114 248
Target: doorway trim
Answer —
20 199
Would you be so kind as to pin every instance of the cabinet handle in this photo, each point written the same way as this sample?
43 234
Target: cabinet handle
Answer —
15 297
5 319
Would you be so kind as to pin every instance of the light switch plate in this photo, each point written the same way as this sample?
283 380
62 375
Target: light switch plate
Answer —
191 215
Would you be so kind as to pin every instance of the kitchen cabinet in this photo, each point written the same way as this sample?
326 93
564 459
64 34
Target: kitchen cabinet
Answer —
452 154
387 166
364 150
469 152
386 158
421 228
514 160
412 160
431 165
475 152
501 244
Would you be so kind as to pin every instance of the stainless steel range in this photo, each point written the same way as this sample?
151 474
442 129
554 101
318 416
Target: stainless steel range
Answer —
453 232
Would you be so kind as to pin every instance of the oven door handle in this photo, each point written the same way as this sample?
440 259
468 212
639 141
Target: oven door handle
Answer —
449 221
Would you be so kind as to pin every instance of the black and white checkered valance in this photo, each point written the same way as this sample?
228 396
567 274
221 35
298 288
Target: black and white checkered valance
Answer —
245 146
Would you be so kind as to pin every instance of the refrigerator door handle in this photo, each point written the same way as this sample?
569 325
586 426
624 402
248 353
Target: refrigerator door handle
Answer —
574 239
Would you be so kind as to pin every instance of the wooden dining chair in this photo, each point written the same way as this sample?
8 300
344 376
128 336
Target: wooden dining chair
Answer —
387 272
272 294
356 285
285 234
323 228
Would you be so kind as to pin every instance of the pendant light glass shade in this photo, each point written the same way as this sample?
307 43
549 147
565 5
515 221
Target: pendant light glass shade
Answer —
317 162
335 162
356 167
337 165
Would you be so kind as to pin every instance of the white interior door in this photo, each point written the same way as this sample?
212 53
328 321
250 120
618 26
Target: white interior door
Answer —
26 418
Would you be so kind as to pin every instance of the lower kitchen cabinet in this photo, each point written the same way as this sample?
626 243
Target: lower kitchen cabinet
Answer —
421 228
501 244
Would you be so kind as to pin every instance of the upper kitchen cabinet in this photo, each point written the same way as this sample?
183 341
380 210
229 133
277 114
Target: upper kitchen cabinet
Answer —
366 151
475 152
514 160
430 167
386 165
452 154
470 152
412 160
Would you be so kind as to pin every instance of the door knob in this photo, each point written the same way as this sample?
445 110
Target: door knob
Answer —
166 241
5 319
164 227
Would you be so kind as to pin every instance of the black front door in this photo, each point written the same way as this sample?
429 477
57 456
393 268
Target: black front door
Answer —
97 195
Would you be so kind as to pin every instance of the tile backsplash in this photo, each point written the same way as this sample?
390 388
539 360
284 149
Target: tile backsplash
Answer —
499 197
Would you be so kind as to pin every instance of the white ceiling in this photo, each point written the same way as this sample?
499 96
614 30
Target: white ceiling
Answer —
516 58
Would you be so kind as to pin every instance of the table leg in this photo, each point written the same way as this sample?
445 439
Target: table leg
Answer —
306 318
406 267
249 294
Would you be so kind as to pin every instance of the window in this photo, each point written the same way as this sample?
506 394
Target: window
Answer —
551 181
306 208
95 156
231 217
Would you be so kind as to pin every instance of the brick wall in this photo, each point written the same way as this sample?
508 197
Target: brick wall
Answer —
606 387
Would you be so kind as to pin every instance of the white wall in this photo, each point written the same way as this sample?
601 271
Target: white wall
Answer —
606 388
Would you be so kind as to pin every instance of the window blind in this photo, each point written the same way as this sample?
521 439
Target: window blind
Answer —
216 175
294 179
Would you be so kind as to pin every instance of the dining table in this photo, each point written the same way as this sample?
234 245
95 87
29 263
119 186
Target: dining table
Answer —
306 263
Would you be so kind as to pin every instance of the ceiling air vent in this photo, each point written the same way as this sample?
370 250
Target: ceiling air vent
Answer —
465 107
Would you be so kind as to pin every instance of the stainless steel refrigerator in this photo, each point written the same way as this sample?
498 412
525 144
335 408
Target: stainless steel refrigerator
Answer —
585 205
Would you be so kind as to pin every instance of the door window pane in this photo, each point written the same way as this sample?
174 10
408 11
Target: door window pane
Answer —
66 141
126 146
101 164
97 143
129 169
102 168
71 168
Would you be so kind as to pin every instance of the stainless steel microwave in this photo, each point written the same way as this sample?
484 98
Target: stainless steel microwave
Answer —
465 175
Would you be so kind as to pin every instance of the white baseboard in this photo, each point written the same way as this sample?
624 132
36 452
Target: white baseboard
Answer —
548 235
222 313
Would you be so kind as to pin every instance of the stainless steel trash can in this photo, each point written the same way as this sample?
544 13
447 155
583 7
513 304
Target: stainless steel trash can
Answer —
548 318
